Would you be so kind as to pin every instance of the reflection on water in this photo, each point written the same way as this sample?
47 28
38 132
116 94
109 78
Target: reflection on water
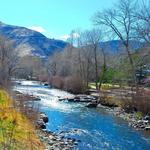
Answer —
96 128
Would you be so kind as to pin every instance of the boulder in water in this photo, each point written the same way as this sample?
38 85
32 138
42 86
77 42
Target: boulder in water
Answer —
84 98
44 117
147 128
147 117
92 105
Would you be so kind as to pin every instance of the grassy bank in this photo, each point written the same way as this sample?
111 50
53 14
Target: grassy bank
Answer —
16 131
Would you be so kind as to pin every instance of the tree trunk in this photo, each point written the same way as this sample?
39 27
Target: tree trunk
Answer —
132 64
104 69
96 68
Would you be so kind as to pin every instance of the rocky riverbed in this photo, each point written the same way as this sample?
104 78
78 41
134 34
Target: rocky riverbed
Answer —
131 118
55 141
51 140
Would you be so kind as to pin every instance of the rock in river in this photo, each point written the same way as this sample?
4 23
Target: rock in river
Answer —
44 117
92 104
41 124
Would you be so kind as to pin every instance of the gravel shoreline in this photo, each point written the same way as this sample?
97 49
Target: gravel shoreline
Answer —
131 118
52 140
57 141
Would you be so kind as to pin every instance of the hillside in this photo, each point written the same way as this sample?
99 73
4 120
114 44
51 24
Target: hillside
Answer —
29 42
114 46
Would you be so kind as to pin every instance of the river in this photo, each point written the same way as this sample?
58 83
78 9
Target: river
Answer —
96 128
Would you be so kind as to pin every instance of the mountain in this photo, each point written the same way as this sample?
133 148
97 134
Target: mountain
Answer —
115 46
29 42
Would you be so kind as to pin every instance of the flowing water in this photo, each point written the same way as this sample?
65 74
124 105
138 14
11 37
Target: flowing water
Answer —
96 128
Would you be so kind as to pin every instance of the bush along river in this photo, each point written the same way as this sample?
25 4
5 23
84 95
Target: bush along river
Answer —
92 128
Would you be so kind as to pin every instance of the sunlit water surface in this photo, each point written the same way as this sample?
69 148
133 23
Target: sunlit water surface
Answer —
96 128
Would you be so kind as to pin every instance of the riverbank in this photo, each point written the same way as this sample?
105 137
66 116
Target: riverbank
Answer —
130 104
17 132
72 120
131 118
57 141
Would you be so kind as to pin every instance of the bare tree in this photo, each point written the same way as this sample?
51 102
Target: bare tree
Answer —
104 69
143 23
30 67
8 61
94 37
53 63
120 20
87 64
80 61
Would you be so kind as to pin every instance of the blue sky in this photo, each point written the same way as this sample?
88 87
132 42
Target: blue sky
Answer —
54 18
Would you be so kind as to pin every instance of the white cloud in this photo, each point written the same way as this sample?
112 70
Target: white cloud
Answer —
37 28
64 37
76 35
67 36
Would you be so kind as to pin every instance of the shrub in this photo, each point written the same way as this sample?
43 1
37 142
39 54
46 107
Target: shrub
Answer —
139 115
43 78
128 106
139 101
57 82
110 101
74 84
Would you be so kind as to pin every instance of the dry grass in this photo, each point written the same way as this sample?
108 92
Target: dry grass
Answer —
136 99
16 131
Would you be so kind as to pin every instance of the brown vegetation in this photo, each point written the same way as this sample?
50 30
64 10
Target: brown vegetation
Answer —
8 62
72 84
131 100
17 132
141 100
